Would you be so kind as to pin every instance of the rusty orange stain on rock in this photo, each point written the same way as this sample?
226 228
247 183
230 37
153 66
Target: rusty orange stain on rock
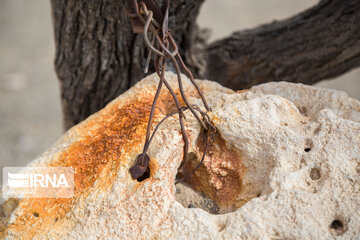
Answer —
220 177
103 142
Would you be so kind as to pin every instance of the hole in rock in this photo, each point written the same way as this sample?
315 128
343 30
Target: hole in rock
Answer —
337 227
36 214
303 110
218 186
315 174
308 145
186 195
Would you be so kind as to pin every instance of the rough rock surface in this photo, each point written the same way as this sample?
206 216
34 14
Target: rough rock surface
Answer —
285 165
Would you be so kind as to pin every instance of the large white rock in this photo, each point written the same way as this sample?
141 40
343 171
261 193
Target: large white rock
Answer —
286 165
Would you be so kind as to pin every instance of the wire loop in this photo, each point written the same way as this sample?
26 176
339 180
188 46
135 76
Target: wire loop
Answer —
159 46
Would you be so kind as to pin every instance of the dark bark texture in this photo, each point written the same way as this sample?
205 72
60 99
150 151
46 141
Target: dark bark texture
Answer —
98 57
320 43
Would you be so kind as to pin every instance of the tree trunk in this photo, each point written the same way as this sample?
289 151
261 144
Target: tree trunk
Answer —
98 57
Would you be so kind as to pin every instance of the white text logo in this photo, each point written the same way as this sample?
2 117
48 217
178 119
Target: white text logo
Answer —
38 182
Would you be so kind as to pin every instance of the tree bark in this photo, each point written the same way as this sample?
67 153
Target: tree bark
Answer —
98 57
320 43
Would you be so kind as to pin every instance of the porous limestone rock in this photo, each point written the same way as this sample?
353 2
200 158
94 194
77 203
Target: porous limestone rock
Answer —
285 165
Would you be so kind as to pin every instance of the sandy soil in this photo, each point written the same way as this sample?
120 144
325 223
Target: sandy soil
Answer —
30 111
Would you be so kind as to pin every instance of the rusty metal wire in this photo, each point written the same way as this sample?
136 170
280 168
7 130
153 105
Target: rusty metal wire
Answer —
160 47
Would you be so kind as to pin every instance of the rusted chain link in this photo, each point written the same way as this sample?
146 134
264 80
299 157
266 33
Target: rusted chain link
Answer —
159 46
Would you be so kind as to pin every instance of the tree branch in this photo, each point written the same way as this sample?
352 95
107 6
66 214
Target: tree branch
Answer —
98 57
320 43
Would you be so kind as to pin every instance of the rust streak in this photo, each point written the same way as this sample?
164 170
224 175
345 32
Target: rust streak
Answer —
113 131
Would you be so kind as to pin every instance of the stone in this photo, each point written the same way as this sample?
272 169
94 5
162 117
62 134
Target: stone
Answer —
285 164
